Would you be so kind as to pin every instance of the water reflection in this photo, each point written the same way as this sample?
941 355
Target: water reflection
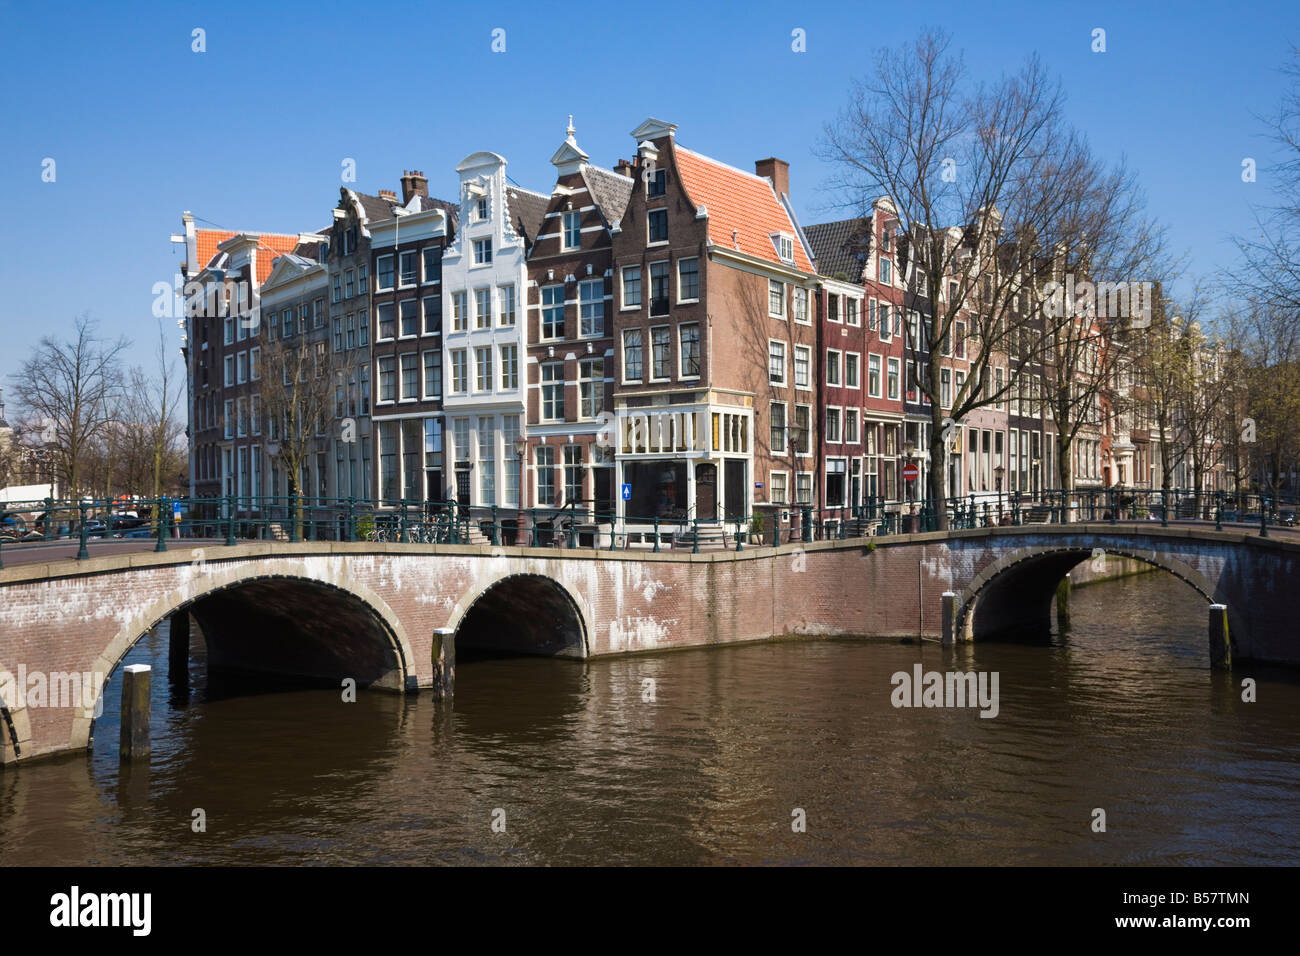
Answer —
1122 713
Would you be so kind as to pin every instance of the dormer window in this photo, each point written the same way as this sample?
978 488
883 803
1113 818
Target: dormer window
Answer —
784 247
572 232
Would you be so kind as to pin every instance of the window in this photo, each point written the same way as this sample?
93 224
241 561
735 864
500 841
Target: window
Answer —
851 425
229 378
778 428
228 418
833 425
482 252
363 279
509 367
688 280
591 306
459 373
483 308
241 413
631 287
945 388
487 460
886 271
553 312
338 333
365 389
336 289
483 368
410 315
460 437
591 387
778 489
661 345
892 375
363 329
544 458
255 363
410 376
885 325
776 362
481 209
432 263
776 298
785 248
833 308
658 288
459 311
656 185
552 391
802 366
851 315
573 473
509 432
432 305
572 230
255 414
632 355
349 284
433 373
871 315
506 304
302 317
387 379
832 367
383 273
689 349
407 271
873 376
241 368
851 372
801 306
387 324
658 224
803 487
960 340
350 325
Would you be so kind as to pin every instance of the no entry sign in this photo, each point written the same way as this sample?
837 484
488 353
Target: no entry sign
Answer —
911 472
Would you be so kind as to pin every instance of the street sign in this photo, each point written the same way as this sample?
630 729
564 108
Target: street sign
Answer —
627 492
911 472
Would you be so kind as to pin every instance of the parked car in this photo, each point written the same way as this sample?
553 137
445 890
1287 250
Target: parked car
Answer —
142 532
119 524
95 528
1286 518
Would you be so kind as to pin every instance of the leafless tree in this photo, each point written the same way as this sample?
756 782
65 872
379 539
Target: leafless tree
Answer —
67 390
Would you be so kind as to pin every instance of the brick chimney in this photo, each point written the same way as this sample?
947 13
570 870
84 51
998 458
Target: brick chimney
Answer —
778 171
388 194
414 183
624 168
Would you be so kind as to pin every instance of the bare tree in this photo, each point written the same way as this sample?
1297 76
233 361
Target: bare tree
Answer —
298 382
989 184
67 390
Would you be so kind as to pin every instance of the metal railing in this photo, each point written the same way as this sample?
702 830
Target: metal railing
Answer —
590 524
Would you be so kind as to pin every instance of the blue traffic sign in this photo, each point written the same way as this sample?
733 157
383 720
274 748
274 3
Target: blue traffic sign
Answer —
627 492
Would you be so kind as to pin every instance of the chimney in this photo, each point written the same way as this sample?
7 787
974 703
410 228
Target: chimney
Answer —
388 194
778 171
414 183
624 168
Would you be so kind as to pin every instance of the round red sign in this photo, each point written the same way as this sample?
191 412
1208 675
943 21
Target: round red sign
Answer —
911 472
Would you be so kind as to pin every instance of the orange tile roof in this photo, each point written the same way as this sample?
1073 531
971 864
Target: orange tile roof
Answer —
741 202
271 244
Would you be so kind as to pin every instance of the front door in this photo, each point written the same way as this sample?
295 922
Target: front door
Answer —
706 491
462 486
736 499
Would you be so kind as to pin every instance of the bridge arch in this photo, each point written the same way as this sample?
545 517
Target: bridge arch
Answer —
1018 589
528 613
270 617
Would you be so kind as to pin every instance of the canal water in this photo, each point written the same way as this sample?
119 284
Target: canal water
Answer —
709 756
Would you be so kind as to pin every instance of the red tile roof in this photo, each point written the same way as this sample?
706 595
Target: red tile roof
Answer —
270 245
741 202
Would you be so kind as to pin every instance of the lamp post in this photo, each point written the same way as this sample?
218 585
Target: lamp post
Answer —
998 472
521 448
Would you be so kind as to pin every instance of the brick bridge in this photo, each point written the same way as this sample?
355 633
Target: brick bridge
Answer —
378 612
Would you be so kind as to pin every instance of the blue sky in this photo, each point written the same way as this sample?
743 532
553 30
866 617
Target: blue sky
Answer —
251 134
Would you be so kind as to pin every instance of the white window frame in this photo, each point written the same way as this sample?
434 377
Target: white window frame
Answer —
785 363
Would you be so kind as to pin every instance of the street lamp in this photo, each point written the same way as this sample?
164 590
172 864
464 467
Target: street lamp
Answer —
998 472
521 448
